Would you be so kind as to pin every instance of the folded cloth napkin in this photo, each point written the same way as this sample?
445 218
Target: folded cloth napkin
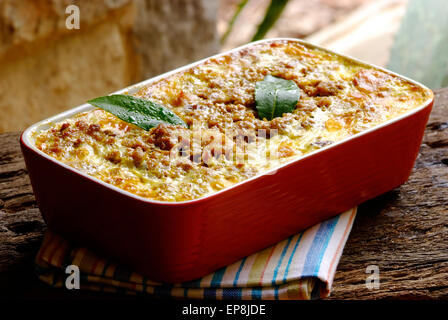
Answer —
300 267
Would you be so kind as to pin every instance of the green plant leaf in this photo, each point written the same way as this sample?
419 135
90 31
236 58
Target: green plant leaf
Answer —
273 12
420 48
143 113
275 96
238 10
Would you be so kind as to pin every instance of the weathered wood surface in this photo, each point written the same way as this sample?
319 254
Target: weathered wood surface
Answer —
404 232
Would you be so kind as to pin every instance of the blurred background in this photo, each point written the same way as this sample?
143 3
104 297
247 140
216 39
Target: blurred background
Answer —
50 61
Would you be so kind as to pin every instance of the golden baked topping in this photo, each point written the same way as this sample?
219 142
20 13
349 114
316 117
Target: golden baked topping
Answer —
226 141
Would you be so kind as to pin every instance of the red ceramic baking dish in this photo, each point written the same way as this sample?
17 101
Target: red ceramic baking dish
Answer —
181 241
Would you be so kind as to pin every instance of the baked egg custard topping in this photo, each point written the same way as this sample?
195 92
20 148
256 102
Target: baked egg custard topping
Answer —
225 141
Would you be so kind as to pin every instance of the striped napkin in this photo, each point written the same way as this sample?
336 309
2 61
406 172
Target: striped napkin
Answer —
300 267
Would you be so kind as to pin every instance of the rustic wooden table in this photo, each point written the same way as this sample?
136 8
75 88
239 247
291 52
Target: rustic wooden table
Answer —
404 232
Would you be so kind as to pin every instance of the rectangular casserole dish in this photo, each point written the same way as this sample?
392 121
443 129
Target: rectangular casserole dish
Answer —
181 241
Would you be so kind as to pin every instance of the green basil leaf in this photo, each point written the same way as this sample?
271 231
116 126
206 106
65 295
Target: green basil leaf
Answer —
275 96
143 113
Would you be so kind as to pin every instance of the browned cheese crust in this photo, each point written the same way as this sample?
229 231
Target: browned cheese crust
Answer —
226 142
